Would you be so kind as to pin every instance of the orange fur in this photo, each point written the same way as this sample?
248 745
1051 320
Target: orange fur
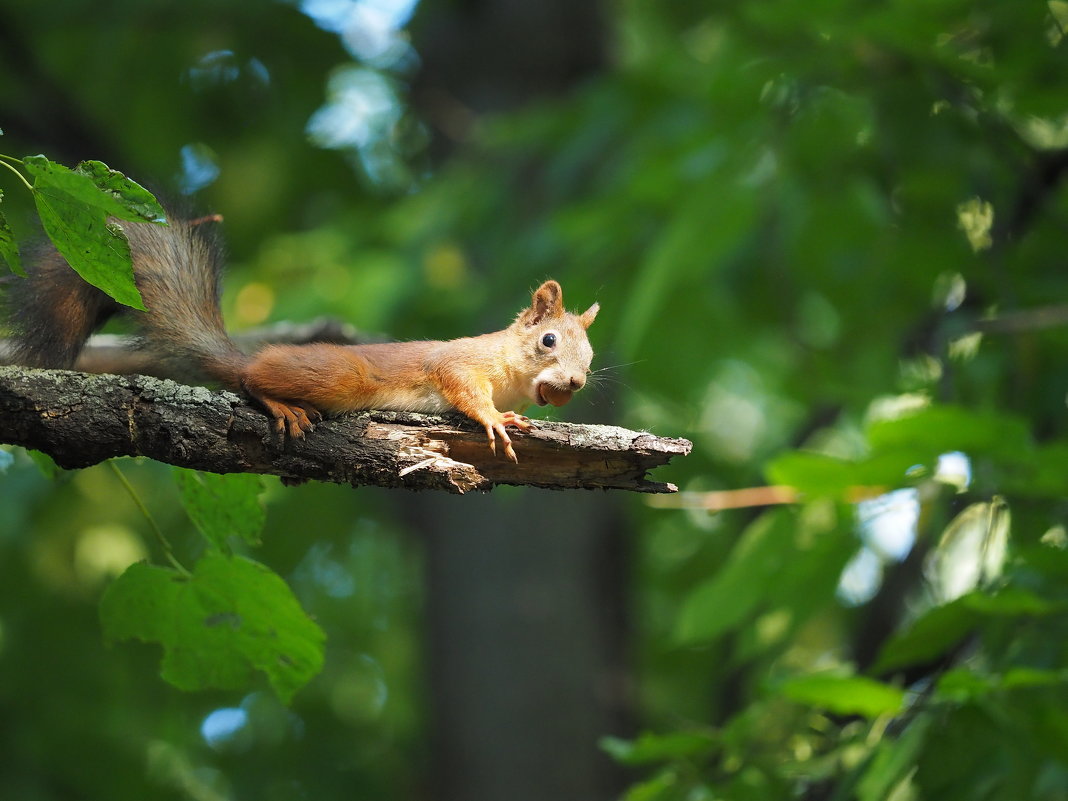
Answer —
475 375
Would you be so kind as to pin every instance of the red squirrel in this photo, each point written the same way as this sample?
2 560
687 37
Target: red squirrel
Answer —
542 357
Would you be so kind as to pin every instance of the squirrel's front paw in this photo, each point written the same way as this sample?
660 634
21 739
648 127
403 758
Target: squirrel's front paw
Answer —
497 428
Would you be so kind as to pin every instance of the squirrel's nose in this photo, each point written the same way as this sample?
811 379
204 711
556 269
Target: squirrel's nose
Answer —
577 382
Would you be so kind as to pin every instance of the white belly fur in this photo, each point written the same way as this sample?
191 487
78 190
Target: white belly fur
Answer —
423 399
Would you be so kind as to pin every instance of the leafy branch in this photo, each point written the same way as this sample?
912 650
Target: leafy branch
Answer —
78 210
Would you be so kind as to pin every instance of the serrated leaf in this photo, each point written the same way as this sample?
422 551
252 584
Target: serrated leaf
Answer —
97 250
94 184
127 199
223 506
74 213
9 249
845 695
229 619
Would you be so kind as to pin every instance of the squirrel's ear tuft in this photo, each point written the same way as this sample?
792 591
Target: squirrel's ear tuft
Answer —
548 301
587 317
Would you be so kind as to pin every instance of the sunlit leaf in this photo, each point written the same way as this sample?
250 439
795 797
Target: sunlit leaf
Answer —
817 475
223 506
970 551
951 428
228 620
845 695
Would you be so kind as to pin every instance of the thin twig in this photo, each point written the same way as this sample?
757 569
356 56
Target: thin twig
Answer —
163 541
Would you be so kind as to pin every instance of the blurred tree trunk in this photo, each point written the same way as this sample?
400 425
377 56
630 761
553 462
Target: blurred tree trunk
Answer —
526 644
525 589
493 55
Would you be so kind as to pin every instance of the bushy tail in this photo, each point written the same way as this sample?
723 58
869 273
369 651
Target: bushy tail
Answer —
177 269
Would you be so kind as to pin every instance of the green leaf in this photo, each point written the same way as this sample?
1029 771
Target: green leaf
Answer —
687 246
1011 602
662 786
223 506
45 463
9 249
952 428
845 695
1025 677
893 760
737 590
941 628
231 618
120 196
817 475
933 634
812 473
651 747
961 685
94 184
96 249
74 213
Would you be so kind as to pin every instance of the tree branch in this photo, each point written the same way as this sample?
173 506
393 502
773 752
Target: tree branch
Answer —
81 419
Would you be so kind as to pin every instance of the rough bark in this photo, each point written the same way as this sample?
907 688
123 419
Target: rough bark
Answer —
81 419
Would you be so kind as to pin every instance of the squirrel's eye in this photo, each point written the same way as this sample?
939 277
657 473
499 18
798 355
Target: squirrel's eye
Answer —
549 340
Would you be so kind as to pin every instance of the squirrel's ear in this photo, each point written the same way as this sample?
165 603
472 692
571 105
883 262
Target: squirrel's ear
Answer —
588 316
548 301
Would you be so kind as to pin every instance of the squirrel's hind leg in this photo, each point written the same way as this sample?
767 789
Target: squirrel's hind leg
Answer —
290 417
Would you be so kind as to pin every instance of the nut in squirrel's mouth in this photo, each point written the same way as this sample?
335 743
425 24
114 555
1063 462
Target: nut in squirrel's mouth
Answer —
548 393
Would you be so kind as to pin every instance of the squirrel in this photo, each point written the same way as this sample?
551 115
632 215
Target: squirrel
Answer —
543 357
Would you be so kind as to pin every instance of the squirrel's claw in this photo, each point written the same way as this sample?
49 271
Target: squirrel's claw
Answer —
515 419
499 429
493 430
292 418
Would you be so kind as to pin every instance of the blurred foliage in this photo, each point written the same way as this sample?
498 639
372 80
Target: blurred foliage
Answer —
825 237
